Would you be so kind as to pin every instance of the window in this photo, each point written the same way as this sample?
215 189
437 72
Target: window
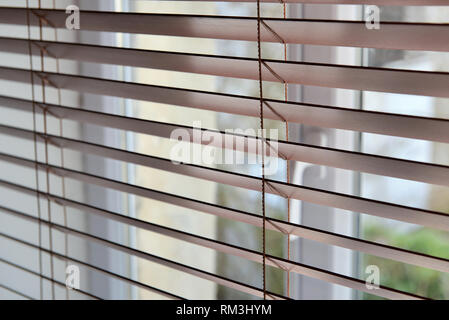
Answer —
131 149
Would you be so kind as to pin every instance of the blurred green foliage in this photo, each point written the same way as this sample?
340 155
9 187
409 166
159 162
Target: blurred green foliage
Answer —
404 277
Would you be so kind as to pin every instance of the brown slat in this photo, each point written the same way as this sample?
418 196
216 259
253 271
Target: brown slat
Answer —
318 115
392 35
313 74
404 169
250 254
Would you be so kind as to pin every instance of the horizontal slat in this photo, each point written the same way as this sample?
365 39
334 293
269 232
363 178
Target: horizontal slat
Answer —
88 265
153 258
315 74
249 254
392 35
330 238
404 169
376 2
422 217
53 281
324 116
9 289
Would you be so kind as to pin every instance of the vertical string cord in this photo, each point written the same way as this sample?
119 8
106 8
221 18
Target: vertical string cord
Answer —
259 53
47 170
41 294
61 134
287 161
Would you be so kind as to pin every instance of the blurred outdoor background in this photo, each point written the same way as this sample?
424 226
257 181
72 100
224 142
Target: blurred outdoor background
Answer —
393 274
